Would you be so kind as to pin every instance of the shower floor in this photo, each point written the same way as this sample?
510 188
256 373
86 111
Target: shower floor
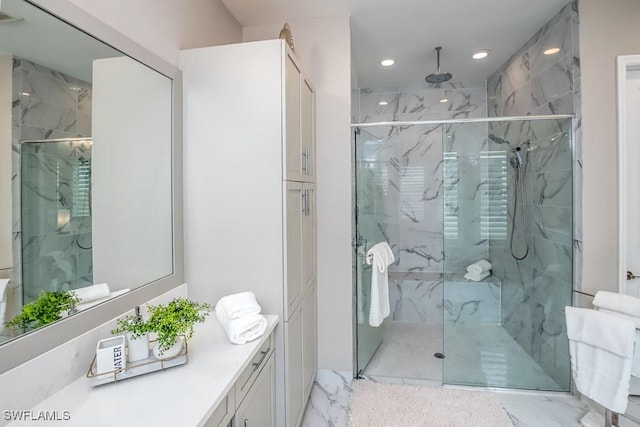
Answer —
475 355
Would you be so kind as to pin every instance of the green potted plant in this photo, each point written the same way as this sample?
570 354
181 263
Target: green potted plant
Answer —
172 321
47 308
137 333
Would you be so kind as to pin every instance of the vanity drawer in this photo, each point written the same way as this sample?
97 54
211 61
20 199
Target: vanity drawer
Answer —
248 376
224 412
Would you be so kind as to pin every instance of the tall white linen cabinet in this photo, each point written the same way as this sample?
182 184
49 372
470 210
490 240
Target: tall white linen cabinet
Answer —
249 196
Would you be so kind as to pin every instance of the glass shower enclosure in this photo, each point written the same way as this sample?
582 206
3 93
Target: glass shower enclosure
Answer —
55 213
445 194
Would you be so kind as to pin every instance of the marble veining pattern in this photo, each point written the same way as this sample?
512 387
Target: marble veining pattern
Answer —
534 83
47 104
330 401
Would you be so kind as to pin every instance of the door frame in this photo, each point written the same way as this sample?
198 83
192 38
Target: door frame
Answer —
625 63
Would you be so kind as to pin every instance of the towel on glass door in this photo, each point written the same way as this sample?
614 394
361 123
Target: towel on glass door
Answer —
601 349
379 257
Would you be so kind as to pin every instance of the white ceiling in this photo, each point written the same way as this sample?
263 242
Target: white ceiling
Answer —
409 30
48 41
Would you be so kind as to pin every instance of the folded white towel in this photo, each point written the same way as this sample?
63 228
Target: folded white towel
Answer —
479 267
243 329
618 302
601 350
379 257
477 277
3 289
238 305
92 293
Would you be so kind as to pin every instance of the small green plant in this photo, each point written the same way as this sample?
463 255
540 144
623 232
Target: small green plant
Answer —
47 308
175 319
133 325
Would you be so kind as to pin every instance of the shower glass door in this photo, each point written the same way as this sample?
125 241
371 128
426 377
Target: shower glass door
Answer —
55 214
370 185
508 200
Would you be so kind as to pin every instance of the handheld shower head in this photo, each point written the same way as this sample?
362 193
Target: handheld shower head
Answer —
515 160
499 140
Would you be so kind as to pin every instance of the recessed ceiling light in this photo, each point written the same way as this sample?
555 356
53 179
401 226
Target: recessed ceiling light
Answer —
552 51
443 100
387 62
383 103
480 54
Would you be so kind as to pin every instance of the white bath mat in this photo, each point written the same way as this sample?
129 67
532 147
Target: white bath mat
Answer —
388 405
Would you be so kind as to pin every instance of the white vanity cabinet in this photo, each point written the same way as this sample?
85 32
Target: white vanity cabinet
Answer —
249 196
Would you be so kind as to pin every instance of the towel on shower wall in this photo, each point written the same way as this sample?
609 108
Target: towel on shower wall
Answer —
477 277
479 267
601 349
238 305
379 257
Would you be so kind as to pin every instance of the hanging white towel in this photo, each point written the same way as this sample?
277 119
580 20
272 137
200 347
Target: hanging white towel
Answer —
243 329
479 267
238 305
379 257
4 284
477 277
620 303
601 350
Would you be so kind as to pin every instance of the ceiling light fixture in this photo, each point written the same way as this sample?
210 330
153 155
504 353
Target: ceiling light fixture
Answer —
552 51
480 54
443 100
383 103
387 62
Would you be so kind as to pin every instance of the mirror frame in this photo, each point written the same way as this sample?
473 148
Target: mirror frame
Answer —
19 350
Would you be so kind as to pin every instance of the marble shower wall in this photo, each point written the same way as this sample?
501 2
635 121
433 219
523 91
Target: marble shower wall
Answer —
536 289
402 192
47 104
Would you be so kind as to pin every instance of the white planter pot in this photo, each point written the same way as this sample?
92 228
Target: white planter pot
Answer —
137 348
170 352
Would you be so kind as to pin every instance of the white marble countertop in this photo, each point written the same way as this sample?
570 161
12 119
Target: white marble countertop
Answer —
181 396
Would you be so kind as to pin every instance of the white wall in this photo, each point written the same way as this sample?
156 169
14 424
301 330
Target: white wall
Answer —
607 29
131 173
323 46
6 257
166 26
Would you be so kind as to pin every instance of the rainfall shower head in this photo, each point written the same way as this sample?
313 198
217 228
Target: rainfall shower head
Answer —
438 77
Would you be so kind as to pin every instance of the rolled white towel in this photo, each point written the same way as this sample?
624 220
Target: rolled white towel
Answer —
477 277
239 305
92 293
243 329
479 267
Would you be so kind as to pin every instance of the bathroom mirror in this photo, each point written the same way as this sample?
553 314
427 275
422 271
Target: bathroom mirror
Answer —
87 172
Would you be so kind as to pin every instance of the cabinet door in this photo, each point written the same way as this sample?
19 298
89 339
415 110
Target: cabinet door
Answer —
307 130
293 251
308 236
309 340
258 408
294 161
293 368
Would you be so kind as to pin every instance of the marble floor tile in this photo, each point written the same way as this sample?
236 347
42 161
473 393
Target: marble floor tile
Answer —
329 401
329 404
